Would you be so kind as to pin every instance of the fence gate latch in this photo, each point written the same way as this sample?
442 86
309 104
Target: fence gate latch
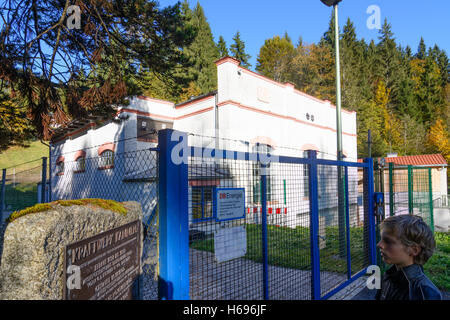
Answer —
379 206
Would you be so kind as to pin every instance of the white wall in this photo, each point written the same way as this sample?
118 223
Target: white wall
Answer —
250 108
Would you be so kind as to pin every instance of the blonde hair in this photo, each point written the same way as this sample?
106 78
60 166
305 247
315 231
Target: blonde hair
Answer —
412 230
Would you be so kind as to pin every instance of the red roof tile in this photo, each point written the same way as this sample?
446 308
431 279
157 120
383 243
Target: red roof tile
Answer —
419 160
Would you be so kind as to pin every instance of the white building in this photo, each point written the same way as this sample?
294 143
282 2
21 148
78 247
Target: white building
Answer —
247 107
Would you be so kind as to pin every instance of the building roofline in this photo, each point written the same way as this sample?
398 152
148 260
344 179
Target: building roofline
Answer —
280 84
195 99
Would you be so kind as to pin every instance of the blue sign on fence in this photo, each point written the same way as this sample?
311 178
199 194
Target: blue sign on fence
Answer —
230 203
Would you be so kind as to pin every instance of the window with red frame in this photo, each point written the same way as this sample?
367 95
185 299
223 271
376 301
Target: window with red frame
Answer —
60 168
106 159
80 164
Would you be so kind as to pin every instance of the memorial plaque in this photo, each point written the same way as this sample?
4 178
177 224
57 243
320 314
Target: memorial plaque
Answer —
105 266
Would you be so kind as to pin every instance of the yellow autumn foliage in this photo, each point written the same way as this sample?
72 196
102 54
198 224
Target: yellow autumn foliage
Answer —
438 139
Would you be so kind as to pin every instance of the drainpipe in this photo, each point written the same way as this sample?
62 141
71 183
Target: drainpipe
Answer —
216 116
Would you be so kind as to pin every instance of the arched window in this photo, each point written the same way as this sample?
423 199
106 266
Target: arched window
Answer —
261 148
106 159
80 163
60 166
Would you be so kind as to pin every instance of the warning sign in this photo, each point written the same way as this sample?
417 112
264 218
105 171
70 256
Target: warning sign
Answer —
230 203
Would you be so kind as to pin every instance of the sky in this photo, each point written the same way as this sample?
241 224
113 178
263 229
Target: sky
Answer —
258 20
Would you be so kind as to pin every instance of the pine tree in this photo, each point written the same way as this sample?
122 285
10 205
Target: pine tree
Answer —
421 50
355 84
429 94
413 135
41 58
222 46
238 51
368 118
203 51
390 129
394 66
15 126
328 38
314 71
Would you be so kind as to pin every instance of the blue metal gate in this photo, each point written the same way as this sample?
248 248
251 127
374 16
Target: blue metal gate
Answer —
292 228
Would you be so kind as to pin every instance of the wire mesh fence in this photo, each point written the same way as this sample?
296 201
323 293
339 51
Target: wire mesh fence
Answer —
21 186
250 256
226 258
407 190
127 176
422 195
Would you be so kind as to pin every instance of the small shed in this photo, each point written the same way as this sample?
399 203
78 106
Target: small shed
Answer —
439 176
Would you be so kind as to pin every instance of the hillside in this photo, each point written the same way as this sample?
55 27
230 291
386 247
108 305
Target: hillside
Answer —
15 156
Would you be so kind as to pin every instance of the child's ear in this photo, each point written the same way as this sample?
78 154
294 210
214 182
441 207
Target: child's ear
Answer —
414 250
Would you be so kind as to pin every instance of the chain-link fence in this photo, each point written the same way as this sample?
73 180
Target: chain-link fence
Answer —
21 186
127 176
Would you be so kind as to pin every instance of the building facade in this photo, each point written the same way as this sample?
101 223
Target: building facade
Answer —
248 112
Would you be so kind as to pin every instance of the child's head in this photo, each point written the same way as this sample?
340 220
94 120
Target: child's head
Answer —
406 239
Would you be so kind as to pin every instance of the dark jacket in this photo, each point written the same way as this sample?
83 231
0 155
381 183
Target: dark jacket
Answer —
409 283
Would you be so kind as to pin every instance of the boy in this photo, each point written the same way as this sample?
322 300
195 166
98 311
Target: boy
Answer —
406 243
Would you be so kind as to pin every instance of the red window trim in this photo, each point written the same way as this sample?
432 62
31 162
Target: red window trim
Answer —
204 183
58 161
79 154
106 146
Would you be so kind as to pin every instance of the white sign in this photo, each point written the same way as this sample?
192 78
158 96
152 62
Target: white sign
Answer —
230 243
230 203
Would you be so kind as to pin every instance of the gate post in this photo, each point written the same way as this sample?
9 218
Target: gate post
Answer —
263 173
391 189
173 280
369 219
410 190
430 184
44 180
3 201
314 225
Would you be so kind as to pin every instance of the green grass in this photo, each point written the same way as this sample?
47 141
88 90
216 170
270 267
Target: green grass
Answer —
22 196
14 156
290 248
24 166
438 267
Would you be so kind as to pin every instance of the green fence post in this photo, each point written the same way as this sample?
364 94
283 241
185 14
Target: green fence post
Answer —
391 189
410 190
430 188
376 177
3 200
44 180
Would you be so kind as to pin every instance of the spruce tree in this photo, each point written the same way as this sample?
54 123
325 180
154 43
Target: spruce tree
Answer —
238 51
390 57
222 46
354 84
203 51
421 50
